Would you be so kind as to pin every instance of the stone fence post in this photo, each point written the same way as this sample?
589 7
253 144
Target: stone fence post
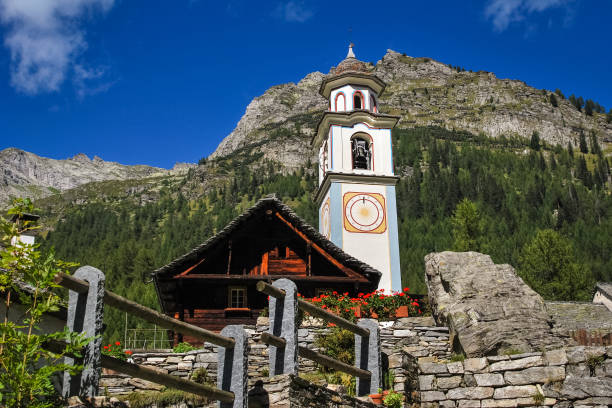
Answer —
85 315
283 314
232 367
367 357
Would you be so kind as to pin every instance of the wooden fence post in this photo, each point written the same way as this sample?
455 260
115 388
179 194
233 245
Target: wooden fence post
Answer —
85 314
367 357
283 313
232 367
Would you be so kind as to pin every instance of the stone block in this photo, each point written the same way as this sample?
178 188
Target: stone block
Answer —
447 404
185 365
190 357
523 355
395 360
207 358
471 393
493 403
584 387
455 367
535 375
489 380
429 396
156 360
580 354
555 357
449 382
173 360
515 391
469 404
403 333
517 364
469 380
475 365
426 382
530 402
432 368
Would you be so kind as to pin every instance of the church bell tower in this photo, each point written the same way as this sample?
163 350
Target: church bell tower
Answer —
356 195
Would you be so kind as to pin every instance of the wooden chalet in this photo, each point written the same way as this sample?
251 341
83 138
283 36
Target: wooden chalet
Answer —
213 285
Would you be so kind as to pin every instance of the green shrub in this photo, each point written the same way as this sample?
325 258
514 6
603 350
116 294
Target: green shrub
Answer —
393 400
338 344
183 348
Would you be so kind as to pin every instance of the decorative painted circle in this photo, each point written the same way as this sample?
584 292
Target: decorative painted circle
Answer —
325 220
364 212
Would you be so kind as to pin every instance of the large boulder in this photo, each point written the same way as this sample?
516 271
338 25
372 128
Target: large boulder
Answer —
488 308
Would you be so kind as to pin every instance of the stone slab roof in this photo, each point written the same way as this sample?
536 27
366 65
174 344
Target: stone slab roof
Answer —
569 316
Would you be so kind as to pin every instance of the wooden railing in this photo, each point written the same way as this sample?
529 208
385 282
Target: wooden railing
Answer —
87 297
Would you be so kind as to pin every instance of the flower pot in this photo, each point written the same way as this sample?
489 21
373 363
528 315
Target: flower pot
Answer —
376 398
385 393
402 311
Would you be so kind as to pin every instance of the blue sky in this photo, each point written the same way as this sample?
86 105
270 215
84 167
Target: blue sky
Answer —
157 82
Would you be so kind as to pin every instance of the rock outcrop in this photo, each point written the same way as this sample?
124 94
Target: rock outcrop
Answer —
423 92
488 308
24 174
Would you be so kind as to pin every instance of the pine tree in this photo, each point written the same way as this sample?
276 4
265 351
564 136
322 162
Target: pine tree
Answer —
558 92
467 227
583 143
595 148
553 100
609 116
570 150
535 140
588 107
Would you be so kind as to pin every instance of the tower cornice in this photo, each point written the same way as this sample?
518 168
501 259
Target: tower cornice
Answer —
352 178
351 78
374 120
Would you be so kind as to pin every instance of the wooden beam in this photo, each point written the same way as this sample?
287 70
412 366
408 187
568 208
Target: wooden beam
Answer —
157 377
147 314
313 278
320 250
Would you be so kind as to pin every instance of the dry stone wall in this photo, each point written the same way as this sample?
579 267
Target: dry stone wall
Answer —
572 377
417 336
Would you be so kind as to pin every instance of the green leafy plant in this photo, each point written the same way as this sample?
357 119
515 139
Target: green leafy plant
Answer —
27 281
183 348
200 376
389 380
338 343
538 398
457 357
393 400
593 362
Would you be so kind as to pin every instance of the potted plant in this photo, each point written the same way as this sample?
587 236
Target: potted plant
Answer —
377 398
393 400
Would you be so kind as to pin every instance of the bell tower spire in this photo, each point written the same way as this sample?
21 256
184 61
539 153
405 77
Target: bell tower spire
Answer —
356 195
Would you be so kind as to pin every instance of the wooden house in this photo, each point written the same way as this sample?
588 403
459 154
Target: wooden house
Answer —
214 284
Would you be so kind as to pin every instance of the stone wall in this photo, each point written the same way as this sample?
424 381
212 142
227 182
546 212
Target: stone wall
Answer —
417 336
576 376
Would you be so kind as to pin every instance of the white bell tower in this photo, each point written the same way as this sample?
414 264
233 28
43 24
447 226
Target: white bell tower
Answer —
356 195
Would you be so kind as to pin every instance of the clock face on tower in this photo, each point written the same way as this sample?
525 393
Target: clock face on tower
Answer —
325 221
364 212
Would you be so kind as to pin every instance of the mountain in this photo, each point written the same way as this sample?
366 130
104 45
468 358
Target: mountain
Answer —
278 125
25 174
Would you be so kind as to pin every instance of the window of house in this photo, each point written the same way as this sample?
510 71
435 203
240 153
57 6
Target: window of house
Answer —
362 153
237 297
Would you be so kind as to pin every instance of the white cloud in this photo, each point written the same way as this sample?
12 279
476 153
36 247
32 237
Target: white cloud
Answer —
45 39
293 12
505 12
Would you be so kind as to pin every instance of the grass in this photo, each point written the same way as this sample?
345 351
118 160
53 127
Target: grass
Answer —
457 357
162 399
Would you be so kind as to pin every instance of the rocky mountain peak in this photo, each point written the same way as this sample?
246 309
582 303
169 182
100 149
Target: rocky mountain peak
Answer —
25 174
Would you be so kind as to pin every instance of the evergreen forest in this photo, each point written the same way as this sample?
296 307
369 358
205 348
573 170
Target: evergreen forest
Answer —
546 210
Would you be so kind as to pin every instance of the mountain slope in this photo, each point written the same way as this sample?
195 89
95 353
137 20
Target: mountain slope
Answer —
25 174
423 92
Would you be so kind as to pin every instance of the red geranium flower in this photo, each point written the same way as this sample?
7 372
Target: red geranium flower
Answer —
117 343
106 347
